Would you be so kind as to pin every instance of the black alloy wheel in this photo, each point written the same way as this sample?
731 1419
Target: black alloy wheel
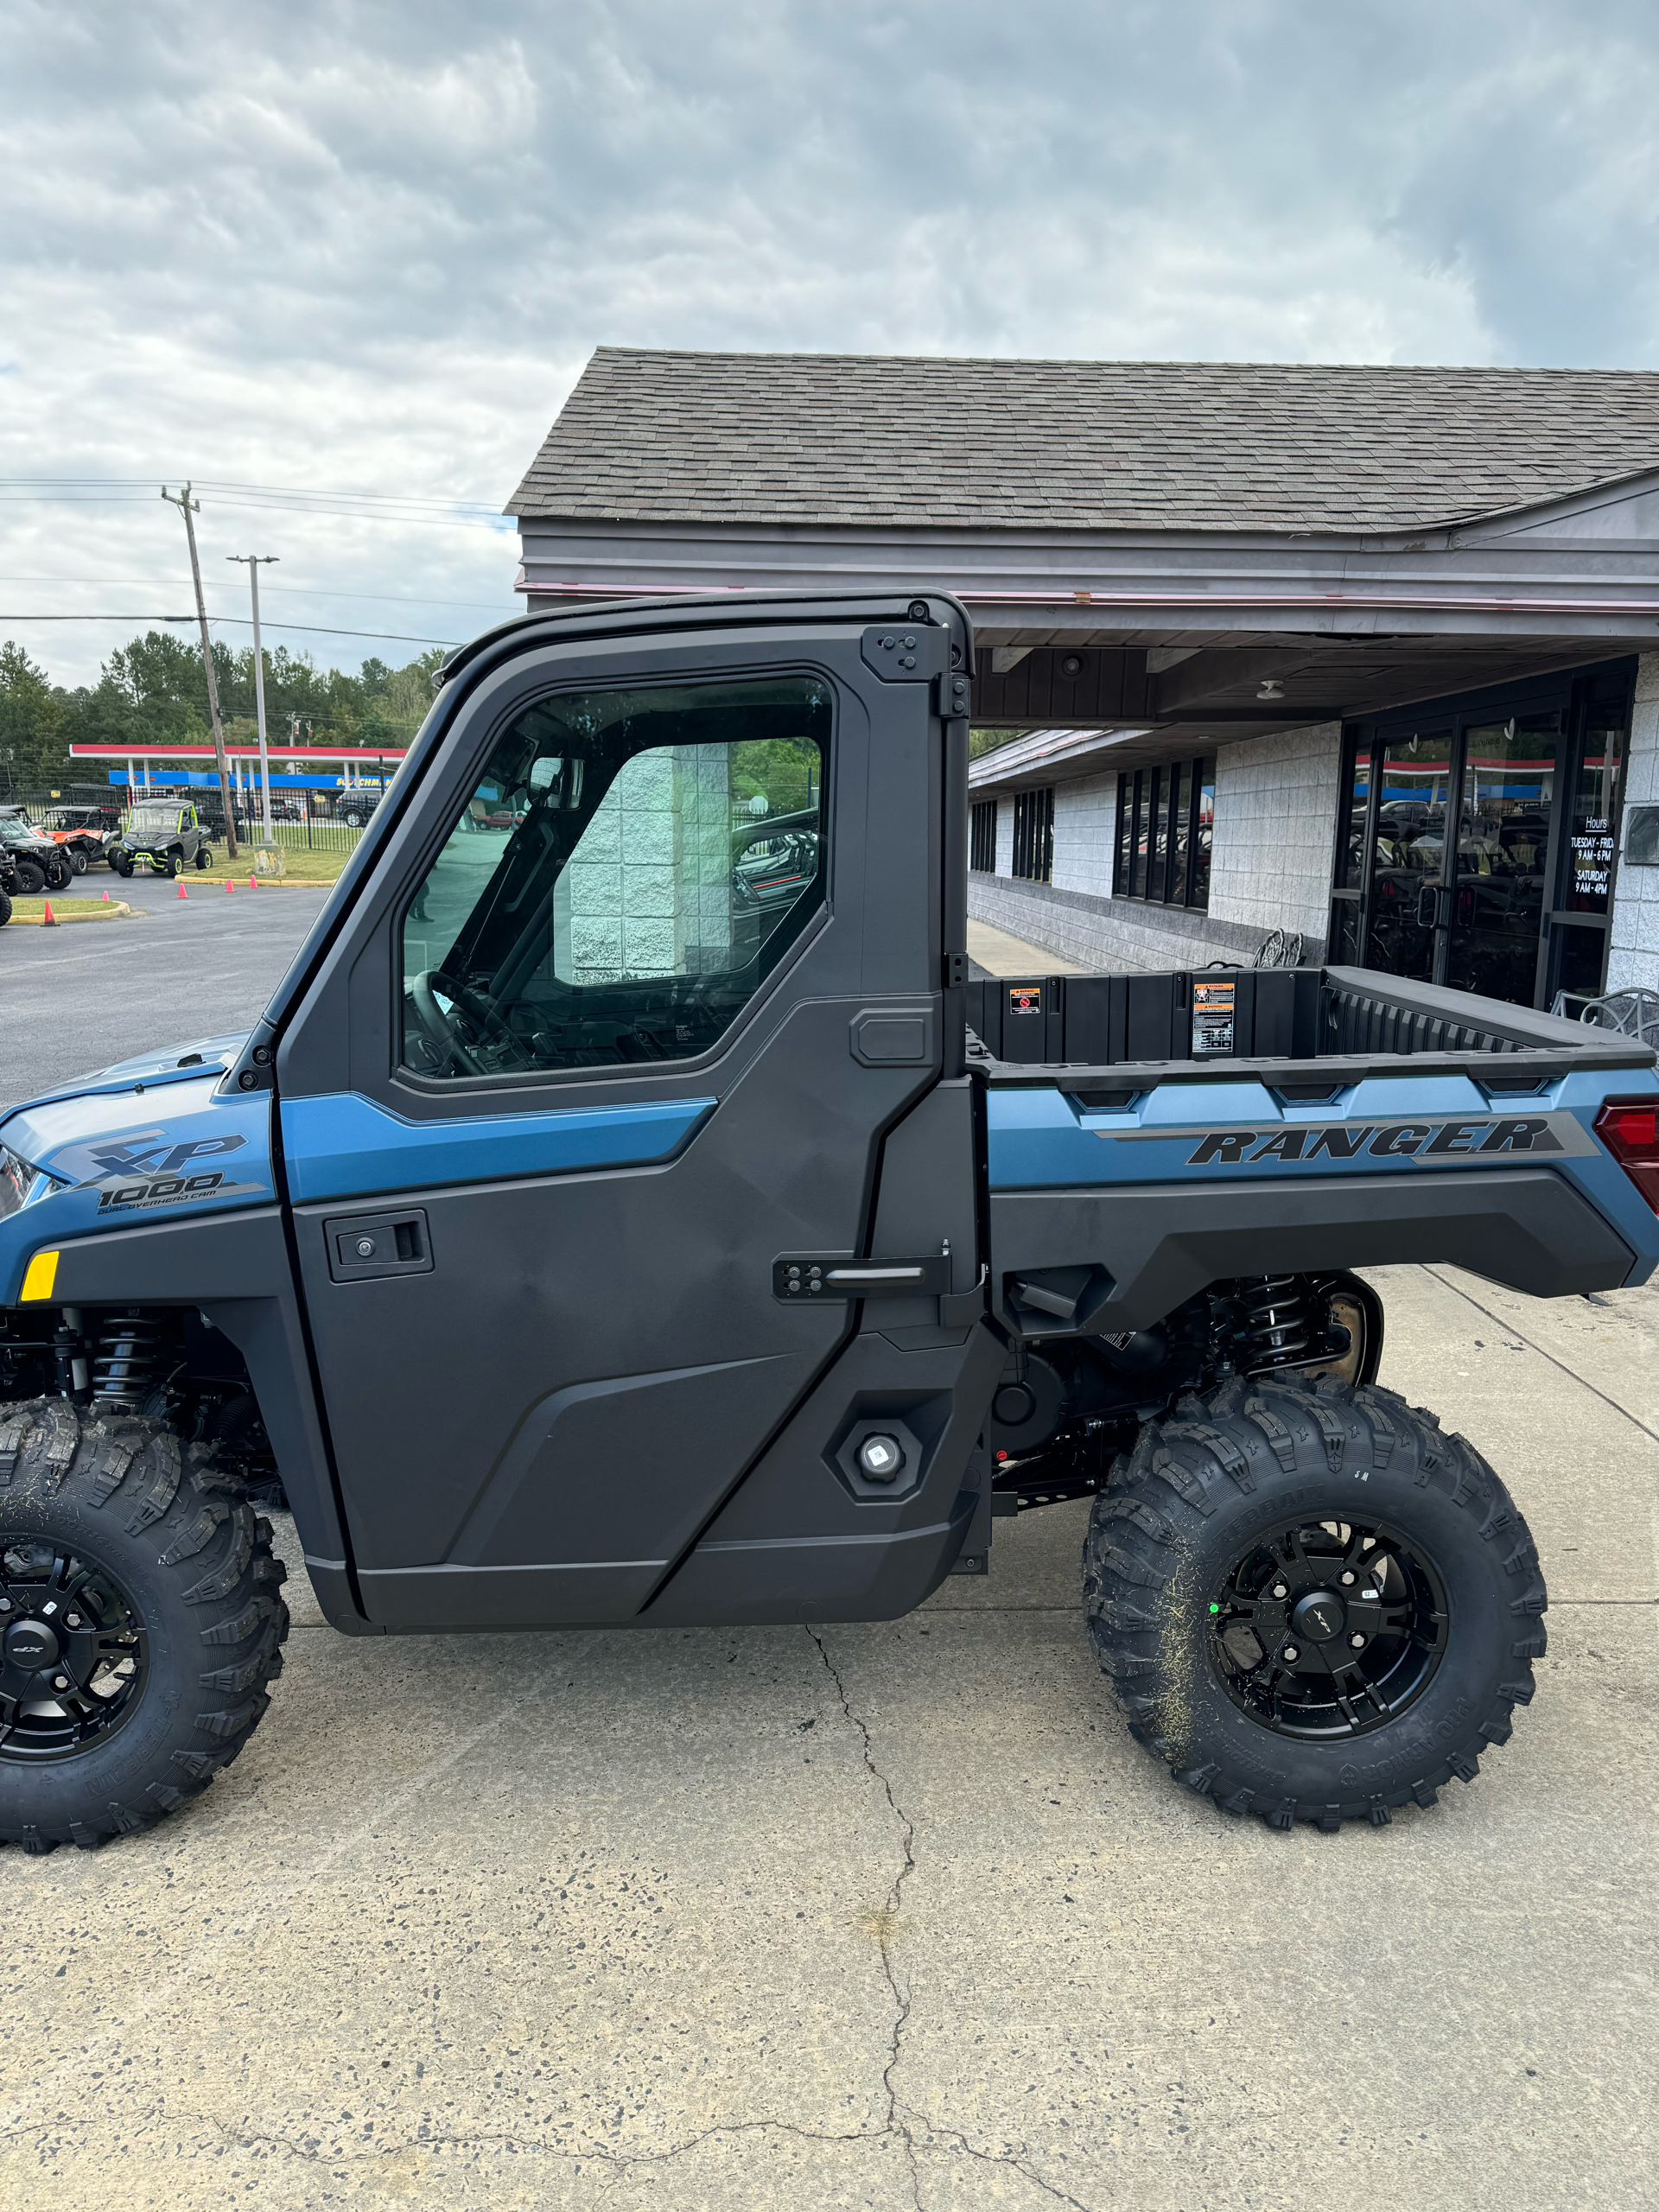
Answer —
30 881
140 1623
74 1650
1313 1603
1328 1629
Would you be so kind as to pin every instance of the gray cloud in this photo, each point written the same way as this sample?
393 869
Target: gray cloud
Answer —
370 245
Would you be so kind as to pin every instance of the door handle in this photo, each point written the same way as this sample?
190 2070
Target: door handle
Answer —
368 1244
1434 893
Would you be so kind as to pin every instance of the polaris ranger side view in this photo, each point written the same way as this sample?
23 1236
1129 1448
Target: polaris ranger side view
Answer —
626 1212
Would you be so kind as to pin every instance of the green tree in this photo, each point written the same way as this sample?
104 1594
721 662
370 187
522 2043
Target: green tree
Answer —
33 723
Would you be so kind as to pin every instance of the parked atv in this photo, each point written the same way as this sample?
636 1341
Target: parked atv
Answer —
85 833
170 835
41 864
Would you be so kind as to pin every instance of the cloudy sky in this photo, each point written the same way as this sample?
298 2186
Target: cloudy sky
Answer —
360 251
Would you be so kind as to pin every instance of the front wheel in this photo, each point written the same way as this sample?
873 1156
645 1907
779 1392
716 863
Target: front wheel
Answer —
165 864
1312 1604
30 881
122 863
140 1621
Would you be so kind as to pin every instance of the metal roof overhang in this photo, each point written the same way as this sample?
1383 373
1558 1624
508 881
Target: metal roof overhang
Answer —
1167 637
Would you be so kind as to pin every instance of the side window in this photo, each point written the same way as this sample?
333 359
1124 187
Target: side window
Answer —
630 868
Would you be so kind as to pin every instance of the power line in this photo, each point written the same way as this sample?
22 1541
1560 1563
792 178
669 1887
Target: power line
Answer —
311 629
294 591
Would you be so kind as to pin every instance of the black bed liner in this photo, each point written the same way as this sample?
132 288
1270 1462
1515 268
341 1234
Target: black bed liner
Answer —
1306 1032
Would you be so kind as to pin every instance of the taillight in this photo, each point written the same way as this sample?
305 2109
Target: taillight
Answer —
1631 1132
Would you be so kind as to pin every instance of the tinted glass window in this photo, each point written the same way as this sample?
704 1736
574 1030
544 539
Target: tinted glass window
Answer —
630 868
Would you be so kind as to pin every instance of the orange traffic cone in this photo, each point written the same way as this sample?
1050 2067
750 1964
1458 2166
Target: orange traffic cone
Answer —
253 883
49 917
229 886
106 898
183 893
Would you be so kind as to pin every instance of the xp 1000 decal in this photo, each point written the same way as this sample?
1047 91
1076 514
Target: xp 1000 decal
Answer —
148 1168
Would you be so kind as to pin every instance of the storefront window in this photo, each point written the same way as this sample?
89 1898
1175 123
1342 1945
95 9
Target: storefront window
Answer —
1164 828
1592 833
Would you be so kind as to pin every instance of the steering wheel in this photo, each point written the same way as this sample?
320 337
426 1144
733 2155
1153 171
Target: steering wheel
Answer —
444 1031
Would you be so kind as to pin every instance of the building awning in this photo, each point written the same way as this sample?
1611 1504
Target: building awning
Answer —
1195 552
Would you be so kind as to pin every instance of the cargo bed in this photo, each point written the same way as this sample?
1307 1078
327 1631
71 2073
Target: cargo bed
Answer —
1307 1030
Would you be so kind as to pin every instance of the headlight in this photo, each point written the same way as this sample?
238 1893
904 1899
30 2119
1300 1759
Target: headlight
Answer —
20 1184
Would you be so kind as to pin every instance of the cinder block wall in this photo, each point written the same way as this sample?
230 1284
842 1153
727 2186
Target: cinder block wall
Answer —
1275 830
1270 868
1633 956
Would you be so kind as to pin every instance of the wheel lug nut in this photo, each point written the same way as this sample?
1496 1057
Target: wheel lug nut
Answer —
1358 1642
59 1682
1280 1591
73 1621
1292 1654
1347 1575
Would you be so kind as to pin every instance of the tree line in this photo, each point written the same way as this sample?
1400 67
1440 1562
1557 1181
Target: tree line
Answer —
154 691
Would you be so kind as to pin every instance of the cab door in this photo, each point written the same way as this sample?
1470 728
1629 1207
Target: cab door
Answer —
647 961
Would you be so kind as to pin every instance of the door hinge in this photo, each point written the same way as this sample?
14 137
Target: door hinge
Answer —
955 970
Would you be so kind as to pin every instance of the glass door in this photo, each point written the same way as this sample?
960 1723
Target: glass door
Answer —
1498 867
1579 925
1405 933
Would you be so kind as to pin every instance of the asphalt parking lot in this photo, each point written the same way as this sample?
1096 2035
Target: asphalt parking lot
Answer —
91 993
869 1916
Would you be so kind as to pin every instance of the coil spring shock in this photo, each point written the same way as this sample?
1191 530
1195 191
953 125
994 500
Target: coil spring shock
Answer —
128 1364
1272 1321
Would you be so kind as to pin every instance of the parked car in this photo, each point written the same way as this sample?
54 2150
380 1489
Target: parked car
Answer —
40 863
169 835
357 804
85 833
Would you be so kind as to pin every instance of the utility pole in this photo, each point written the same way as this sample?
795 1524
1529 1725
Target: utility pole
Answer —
253 561
187 506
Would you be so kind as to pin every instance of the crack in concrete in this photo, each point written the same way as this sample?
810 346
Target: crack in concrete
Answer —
900 2126
886 1923
902 2120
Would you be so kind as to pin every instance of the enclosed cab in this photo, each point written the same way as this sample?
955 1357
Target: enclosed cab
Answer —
629 1212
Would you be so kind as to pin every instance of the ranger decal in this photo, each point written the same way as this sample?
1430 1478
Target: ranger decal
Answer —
1498 1140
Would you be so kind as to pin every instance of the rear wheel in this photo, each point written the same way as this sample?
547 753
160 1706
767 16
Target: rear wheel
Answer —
77 861
1313 1603
140 1621
203 857
5 909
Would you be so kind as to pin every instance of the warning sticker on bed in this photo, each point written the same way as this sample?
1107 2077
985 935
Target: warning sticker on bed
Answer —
1025 998
1212 1015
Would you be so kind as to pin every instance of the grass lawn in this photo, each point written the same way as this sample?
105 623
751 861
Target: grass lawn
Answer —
92 910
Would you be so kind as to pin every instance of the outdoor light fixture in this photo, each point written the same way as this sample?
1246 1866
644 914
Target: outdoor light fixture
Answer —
1072 665
1270 688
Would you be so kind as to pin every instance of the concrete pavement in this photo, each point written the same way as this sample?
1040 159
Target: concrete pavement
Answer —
883 1916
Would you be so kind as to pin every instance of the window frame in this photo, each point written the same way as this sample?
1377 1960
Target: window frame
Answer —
454 1090
982 836
1159 811
1032 860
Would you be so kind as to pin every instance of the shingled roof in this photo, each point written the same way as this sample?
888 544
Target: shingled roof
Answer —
979 444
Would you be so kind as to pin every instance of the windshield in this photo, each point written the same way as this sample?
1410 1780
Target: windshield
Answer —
71 817
148 821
